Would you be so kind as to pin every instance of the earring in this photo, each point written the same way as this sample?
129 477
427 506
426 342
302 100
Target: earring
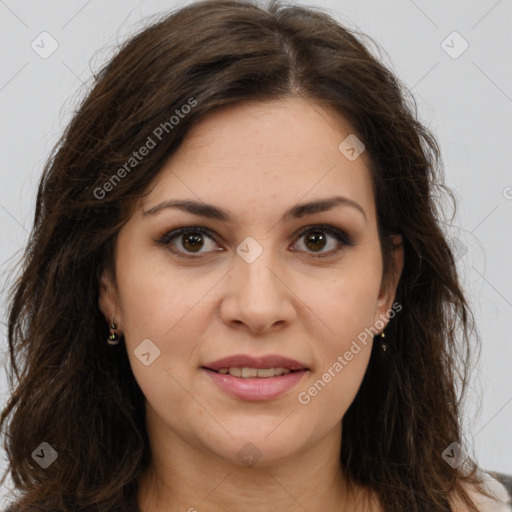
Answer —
383 344
113 338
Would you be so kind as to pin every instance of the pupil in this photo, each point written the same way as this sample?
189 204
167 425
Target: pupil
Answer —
196 239
316 238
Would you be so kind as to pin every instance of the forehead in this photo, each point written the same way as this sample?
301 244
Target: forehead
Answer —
287 151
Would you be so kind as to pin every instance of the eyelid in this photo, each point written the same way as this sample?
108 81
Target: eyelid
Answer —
339 234
169 236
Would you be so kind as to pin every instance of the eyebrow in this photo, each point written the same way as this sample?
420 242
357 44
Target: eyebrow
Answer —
296 212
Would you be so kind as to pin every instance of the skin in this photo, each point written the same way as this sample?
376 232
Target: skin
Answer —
255 160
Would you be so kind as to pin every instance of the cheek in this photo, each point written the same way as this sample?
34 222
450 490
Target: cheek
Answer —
343 355
345 309
347 304
170 320
168 307
154 296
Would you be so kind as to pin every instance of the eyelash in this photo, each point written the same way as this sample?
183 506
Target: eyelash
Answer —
342 237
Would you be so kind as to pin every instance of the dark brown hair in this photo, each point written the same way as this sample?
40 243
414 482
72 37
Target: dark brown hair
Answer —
78 394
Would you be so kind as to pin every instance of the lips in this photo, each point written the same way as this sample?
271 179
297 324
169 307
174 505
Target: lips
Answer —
256 389
246 361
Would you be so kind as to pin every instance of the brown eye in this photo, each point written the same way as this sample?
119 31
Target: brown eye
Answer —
192 241
316 238
316 241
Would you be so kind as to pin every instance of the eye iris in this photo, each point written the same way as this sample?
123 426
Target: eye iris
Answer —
197 241
316 237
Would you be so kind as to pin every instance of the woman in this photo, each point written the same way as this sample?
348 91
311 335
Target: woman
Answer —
237 294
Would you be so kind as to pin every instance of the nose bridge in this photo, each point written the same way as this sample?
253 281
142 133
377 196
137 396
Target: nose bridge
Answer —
256 259
258 297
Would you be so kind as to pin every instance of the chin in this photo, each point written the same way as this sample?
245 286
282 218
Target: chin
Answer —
261 449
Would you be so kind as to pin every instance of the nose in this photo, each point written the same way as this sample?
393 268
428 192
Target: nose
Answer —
258 297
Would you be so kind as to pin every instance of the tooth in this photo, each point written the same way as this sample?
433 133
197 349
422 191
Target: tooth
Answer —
249 372
267 372
236 372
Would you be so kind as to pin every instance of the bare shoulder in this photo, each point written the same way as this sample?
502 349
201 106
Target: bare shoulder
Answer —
501 503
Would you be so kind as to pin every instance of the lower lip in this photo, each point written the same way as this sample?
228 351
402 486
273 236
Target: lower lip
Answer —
257 388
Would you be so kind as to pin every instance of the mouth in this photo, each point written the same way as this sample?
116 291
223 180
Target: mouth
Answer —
256 373
255 384
253 366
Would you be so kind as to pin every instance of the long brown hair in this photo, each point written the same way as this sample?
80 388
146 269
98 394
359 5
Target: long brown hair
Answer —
79 395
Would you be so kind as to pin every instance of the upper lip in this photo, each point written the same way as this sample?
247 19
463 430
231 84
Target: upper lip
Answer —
245 361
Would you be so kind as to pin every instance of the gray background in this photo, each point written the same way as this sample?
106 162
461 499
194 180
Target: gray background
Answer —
466 101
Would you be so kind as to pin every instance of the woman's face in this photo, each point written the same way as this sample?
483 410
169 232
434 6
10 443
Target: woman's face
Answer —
262 281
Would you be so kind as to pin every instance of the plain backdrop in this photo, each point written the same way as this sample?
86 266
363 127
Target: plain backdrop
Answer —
454 56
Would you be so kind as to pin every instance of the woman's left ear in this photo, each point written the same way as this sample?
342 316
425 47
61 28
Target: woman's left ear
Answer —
107 300
390 283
